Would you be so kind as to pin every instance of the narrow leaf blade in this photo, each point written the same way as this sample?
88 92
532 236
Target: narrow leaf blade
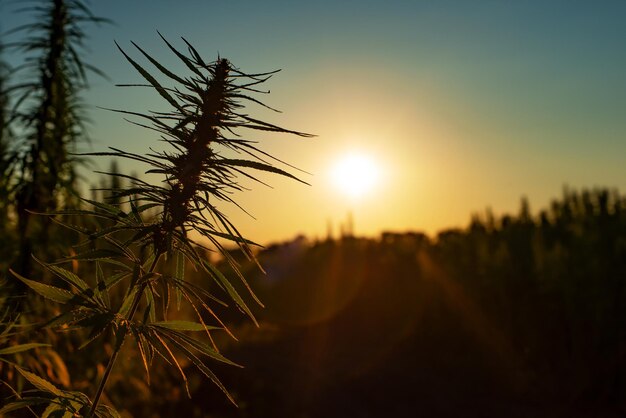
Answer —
49 292
21 347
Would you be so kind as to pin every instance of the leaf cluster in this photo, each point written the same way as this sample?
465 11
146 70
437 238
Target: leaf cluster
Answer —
59 403
140 243
46 110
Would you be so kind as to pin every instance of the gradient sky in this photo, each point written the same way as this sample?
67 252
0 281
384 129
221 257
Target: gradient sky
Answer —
464 104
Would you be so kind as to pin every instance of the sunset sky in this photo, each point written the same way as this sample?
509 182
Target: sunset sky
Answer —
454 106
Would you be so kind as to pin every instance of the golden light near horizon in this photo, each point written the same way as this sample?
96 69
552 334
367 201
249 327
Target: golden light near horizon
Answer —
355 175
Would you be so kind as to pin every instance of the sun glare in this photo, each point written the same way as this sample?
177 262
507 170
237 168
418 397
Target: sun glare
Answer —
355 175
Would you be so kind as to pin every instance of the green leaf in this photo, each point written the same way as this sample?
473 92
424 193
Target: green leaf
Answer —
21 347
230 289
98 323
183 325
229 237
54 409
22 403
147 206
180 265
182 339
97 255
101 289
68 318
65 275
105 411
150 310
202 367
142 345
146 265
113 210
183 58
135 213
159 66
152 81
127 303
160 347
259 166
40 383
50 292
180 274
114 279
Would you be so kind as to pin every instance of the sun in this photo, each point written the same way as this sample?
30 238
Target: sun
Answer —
355 175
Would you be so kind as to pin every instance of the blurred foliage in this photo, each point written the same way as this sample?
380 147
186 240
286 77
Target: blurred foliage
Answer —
41 122
520 315
47 120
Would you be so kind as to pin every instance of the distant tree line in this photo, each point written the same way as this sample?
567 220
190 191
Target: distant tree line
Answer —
515 315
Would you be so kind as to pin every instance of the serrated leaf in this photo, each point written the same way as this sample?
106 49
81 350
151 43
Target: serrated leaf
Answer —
183 325
259 166
53 410
165 352
135 213
105 411
97 255
203 368
98 323
152 81
147 206
146 265
180 265
181 338
22 403
114 279
127 303
49 292
230 289
40 383
142 345
165 293
115 262
21 347
68 318
113 210
180 274
65 275
183 58
101 289
150 310
159 66
229 237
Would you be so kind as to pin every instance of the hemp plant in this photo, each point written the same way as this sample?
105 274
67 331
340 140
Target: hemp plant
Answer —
153 223
50 114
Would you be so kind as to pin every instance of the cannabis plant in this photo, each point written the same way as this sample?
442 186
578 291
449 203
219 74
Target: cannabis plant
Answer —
49 113
148 234
41 122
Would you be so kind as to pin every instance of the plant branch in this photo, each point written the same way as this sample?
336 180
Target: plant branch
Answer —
122 337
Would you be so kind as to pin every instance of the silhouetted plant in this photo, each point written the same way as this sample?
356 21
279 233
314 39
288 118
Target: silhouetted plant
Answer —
49 113
42 122
130 248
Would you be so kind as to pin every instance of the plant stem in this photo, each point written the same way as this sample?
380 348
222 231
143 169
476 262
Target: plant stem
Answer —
118 345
